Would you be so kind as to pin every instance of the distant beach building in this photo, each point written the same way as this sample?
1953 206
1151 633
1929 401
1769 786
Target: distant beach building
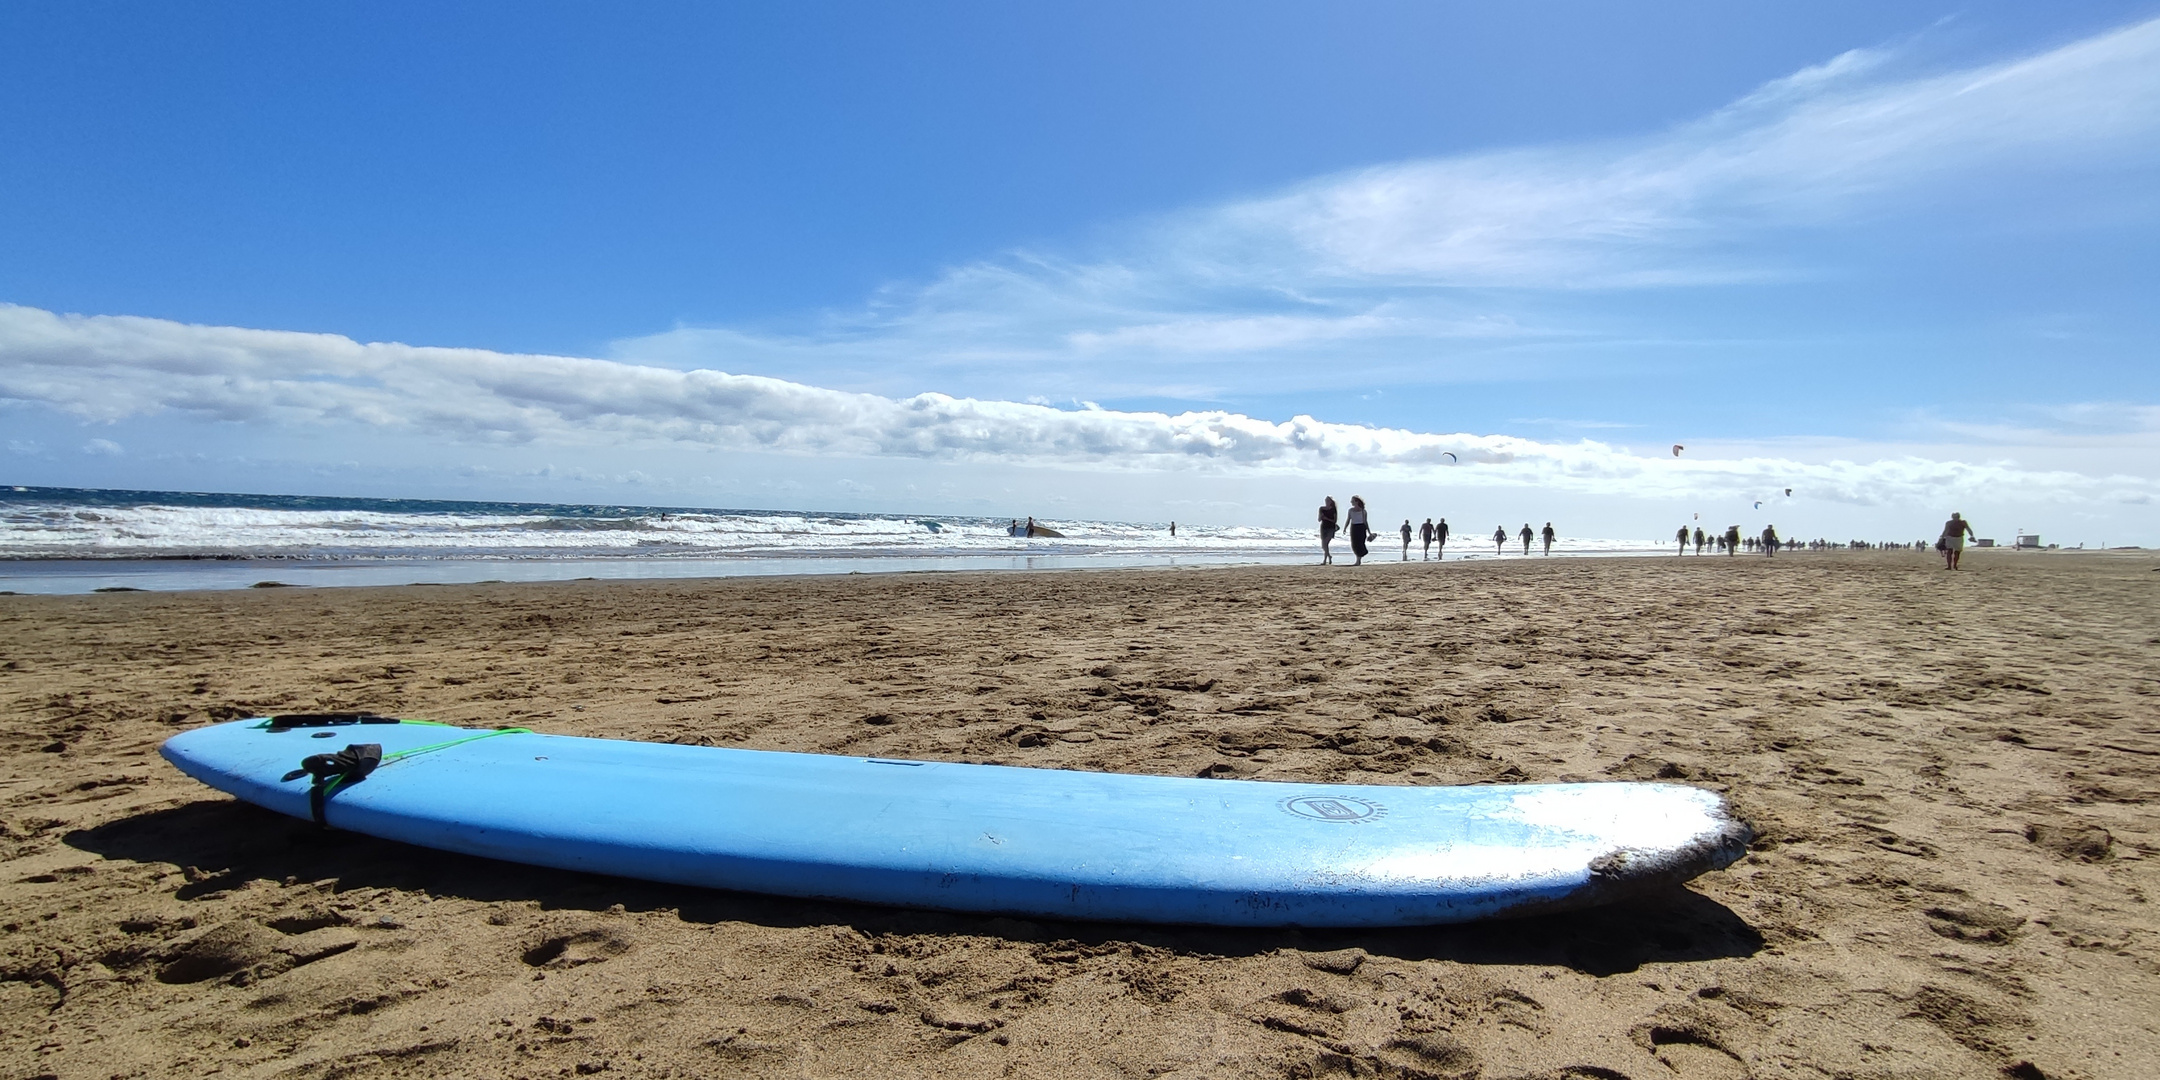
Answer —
2028 540
1977 542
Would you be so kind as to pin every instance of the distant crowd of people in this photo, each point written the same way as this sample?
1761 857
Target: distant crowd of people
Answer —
1951 544
1433 535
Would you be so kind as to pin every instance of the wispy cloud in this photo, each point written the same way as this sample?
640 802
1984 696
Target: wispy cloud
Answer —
2117 427
113 368
1373 268
1821 147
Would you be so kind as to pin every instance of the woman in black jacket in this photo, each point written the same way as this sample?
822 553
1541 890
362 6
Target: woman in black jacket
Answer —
1327 530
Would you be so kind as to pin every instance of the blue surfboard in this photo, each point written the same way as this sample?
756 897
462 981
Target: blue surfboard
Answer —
1046 843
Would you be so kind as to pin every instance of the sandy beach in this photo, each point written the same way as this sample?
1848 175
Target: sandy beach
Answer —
1952 777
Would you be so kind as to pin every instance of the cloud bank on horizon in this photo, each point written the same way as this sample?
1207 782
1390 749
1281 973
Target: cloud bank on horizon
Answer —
1370 271
114 368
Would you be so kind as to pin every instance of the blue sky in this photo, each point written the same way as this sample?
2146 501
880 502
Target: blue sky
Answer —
1896 255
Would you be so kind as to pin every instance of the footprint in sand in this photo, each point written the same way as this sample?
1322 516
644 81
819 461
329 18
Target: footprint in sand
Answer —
1695 1055
574 949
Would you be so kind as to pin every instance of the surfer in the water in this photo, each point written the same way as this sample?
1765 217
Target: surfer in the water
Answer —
1327 530
1360 528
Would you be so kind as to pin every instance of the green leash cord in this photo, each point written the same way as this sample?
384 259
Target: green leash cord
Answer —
432 747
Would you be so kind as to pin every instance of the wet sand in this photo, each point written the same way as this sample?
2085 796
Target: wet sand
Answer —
1953 777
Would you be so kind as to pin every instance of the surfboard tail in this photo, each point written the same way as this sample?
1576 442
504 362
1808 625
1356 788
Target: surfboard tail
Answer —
1630 873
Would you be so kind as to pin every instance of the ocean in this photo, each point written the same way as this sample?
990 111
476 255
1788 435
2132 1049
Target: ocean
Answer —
73 540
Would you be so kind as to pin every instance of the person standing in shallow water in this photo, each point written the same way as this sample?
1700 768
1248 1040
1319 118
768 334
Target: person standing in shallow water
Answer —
1952 543
1360 528
1406 539
1549 535
1327 530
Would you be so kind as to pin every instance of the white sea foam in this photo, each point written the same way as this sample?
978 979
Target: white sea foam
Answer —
56 530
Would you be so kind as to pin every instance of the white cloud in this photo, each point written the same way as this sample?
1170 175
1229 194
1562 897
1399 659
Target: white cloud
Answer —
102 448
112 368
1803 151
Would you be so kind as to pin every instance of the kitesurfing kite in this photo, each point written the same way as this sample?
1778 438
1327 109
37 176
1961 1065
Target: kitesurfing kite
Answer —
1450 455
1676 448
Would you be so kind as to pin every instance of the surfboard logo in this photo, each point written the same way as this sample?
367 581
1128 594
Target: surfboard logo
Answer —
1338 808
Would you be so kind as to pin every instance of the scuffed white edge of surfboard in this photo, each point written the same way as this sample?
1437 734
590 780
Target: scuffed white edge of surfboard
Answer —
1695 834
1604 836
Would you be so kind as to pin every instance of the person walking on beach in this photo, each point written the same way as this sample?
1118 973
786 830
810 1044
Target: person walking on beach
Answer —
1527 536
1360 528
1952 543
1439 533
1682 537
1700 540
1769 541
1424 533
1732 540
1406 539
1499 539
1549 536
1327 530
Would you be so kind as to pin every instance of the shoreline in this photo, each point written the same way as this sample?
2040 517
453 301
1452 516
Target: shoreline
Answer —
63 577
55 576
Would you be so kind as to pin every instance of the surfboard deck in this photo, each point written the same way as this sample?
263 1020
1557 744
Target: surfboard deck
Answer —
1047 843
